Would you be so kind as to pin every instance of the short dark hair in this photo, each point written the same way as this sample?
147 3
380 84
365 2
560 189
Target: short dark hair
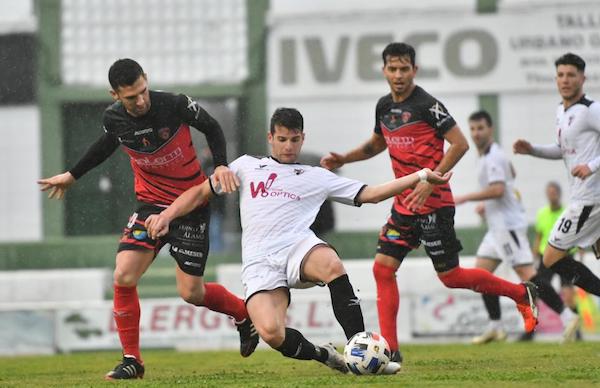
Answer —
399 50
571 59
554 185
287 117
124 72
481 115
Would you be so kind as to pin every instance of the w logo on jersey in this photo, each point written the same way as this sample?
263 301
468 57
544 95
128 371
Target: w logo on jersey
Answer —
262 187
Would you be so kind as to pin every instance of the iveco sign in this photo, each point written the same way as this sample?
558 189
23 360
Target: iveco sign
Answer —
455 53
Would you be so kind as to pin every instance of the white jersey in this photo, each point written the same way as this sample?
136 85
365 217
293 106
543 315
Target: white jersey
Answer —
279 202
505 212
578 135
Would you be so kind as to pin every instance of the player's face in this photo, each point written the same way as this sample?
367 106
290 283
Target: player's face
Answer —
399 73
553 195
481 133
286 144
569 81
135 98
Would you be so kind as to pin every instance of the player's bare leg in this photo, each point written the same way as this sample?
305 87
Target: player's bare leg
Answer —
217 298
130 266
494 331
388 301
267 310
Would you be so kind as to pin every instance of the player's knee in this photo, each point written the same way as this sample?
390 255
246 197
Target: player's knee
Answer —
124 278
383 272
272 333
332 269
450 278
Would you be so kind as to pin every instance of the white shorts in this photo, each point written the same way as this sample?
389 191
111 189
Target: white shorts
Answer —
577 226
281 269
510 246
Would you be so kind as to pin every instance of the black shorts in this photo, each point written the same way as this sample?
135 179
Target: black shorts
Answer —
188 236
435 231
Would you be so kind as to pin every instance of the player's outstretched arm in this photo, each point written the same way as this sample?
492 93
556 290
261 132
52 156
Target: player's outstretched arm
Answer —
375 145
378 193
58 185
157 225
546 151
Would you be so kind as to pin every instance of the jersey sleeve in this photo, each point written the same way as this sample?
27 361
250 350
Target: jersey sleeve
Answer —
594 123
193 114
438 117
378 110
494 166
341 189
97 152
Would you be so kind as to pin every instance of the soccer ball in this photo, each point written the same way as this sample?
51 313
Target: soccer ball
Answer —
367 353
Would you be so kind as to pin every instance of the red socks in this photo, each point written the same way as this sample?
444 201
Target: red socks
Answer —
126 311
388 302
482 281
218 298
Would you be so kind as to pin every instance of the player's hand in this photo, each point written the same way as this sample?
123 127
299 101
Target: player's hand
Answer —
415 200
437 178
581 171
57 185
157 225
522 147
332 161
228 180
480 209
460 199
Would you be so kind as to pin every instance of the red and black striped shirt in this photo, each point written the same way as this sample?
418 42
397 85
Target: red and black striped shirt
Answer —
159 145
414 133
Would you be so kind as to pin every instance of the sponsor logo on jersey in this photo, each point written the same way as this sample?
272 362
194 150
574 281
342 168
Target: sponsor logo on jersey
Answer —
438 111
150 161
406 117
164 133
142 131
298 171
403 142
392 234
264 190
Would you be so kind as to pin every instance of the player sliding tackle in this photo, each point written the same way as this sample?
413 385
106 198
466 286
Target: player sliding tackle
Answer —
279 200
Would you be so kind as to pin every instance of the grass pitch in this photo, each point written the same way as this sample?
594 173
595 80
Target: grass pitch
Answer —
496 365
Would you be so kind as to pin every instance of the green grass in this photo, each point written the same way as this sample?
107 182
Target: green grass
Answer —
498 365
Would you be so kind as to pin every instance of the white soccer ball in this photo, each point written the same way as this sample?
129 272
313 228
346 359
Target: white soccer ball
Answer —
367 353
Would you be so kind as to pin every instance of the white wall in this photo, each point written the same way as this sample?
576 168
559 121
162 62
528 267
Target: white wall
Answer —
20 201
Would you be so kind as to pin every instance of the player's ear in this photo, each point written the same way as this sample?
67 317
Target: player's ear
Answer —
270 137
114 95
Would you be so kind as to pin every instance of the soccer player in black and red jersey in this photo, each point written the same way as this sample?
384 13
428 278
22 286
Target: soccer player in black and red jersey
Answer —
153 128
413 126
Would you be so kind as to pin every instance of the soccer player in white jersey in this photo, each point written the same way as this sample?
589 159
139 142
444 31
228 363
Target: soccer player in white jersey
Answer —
506 239
279 200
578 144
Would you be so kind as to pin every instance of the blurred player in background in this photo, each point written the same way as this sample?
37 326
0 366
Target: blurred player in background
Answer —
544 222
413 125
279 200
154 130
506 239
578 144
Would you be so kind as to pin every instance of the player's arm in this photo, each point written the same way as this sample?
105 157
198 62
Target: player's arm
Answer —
95 155
378 193
458 147
545 151
492 191
375 145
197 117
157 225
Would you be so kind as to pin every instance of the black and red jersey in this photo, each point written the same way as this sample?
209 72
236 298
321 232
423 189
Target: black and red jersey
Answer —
414 133
159 145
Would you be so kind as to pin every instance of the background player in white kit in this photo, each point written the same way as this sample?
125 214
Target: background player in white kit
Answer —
578 144
506 239
279 200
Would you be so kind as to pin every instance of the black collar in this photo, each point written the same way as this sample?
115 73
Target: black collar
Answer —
275 159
